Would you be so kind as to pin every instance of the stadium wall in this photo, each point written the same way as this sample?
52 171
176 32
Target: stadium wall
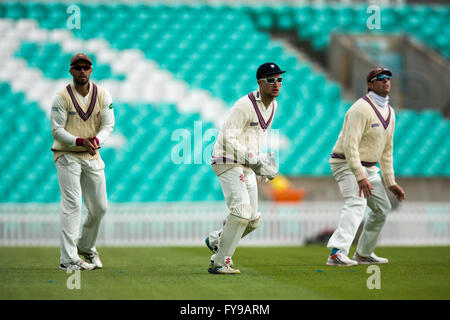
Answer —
418 189
180 224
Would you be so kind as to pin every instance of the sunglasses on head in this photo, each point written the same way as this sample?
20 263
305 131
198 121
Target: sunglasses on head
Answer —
272 80
381 77
79 68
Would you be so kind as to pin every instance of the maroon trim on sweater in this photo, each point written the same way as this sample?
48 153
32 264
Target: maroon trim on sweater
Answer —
80 111
222 160
264 125
385 123
341 156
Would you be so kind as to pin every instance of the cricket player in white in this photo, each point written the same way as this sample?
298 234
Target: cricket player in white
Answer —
82 119
366 138
237 161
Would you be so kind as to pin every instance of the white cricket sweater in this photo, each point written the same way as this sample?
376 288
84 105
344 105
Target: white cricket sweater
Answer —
74 116
367 136
242 133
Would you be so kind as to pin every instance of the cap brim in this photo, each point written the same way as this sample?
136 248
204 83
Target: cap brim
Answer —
81 60
389 73
271 73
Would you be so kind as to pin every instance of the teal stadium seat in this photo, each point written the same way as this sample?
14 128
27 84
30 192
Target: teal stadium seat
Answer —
213 48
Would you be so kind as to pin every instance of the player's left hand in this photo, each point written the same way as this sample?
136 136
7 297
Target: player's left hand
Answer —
398 192
94 142
262 179
269 166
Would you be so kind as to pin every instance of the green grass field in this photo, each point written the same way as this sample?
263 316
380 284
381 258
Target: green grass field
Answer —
267 273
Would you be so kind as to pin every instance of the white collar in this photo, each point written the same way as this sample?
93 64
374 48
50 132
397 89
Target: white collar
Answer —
381 101
257 95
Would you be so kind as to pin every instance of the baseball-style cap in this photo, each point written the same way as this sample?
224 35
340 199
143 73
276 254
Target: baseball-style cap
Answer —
267 69
80 57
377 71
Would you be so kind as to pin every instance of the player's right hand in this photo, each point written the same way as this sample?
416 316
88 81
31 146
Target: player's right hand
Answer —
365 188
90 147
254 159
398 192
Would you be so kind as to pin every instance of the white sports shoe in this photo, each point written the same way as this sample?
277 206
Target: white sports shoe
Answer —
77 265
213 258
372 259
91 258
340 259
222 269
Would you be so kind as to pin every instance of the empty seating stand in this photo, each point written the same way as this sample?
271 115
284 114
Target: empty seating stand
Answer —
216 49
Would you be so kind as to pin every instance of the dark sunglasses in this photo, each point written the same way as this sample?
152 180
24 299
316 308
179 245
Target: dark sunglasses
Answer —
381 77
79 68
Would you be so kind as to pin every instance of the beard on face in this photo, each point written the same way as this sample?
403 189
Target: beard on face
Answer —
81 82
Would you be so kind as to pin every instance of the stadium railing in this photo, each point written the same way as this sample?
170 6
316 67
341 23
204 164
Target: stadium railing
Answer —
181 224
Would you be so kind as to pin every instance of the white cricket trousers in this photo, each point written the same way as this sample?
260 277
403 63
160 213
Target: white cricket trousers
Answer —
239 187
79 179
354 207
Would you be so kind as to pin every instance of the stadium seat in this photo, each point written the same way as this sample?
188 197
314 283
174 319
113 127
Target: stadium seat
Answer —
214 49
